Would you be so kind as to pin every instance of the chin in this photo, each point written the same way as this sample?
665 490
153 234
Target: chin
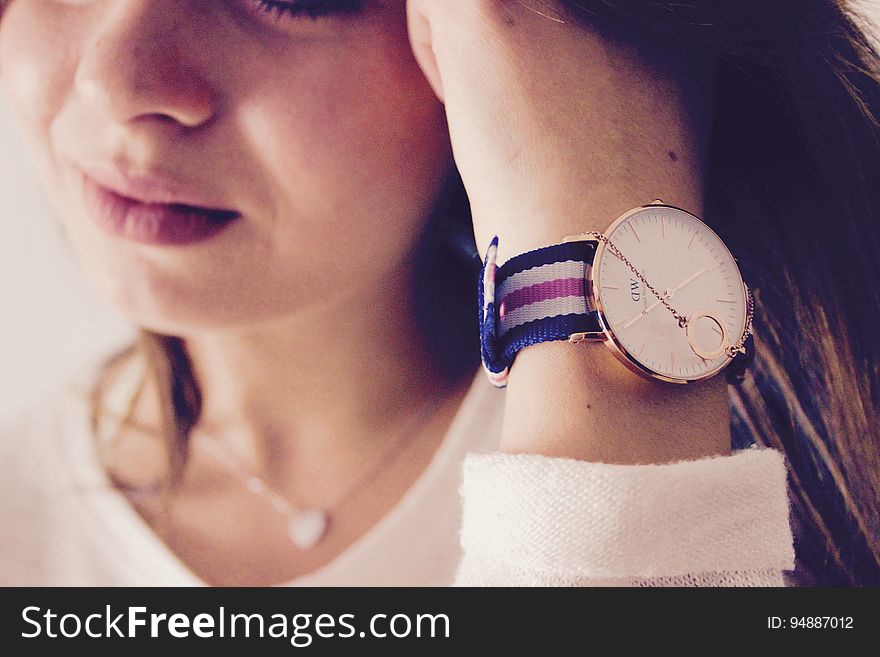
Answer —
176 302
186 320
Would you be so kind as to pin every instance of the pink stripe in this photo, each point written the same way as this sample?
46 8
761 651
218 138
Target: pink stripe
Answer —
558 287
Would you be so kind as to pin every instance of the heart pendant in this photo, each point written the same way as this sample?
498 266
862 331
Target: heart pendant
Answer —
306 528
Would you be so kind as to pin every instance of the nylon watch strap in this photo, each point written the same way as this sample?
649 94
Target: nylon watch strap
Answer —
534 297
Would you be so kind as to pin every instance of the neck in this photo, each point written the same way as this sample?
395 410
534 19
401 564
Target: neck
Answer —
326 385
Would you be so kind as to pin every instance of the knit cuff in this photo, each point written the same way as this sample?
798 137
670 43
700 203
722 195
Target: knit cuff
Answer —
566 517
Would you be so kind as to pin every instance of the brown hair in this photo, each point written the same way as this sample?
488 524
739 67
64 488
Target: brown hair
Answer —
794 189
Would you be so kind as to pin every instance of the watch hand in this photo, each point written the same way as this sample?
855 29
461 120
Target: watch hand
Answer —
641 314
689 279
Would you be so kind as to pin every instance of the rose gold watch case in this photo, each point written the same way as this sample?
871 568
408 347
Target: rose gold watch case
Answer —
594 301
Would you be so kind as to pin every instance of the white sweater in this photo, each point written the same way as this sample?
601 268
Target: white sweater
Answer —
475 516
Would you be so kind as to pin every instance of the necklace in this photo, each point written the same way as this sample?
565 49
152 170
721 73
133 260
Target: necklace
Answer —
306 526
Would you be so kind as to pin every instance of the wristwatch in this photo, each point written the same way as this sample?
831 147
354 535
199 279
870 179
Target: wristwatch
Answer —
659 288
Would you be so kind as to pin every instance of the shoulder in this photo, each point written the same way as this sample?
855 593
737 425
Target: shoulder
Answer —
35 481
29 437
48 460
35 439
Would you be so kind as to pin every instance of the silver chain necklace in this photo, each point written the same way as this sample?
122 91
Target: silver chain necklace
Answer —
307 526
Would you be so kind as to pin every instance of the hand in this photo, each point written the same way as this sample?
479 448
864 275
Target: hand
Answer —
557 130
508 78
546 130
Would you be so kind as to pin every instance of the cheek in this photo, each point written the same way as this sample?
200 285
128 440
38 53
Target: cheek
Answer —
340 161
357 153
36 69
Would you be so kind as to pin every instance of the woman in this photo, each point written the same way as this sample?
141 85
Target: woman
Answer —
308 385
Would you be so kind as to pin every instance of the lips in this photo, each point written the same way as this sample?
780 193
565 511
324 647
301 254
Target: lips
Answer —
149 222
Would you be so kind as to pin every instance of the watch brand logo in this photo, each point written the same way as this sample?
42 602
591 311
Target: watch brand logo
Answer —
635 290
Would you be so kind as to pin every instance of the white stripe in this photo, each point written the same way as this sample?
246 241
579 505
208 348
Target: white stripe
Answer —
548 272
539 309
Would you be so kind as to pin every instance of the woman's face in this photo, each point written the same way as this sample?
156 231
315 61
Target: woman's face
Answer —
322 134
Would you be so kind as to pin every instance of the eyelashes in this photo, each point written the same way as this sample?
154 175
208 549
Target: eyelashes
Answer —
308 9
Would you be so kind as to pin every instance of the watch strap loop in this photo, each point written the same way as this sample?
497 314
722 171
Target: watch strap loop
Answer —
496 370
534 297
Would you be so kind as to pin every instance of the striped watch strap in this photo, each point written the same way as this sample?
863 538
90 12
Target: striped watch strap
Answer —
533 297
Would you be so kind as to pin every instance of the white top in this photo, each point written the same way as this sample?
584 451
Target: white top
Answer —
475 516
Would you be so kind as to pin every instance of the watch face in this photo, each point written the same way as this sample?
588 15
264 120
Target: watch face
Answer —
693 270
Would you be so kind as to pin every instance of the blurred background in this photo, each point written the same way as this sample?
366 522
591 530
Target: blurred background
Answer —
51 323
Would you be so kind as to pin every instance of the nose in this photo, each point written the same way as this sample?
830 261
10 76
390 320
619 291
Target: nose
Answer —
143 60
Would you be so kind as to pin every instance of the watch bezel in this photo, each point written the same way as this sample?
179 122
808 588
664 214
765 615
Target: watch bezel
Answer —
611 340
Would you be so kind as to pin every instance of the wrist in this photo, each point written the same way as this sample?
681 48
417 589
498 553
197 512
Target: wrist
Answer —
523 224
585 288
576 401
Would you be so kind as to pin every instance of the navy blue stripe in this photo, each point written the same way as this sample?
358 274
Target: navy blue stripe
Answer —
580 251
558 327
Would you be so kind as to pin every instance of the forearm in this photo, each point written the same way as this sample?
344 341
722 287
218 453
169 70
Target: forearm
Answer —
558 140
579 401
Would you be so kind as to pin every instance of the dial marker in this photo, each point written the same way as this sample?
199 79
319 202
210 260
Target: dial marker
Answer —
725 300
633 226
691 243
611 287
